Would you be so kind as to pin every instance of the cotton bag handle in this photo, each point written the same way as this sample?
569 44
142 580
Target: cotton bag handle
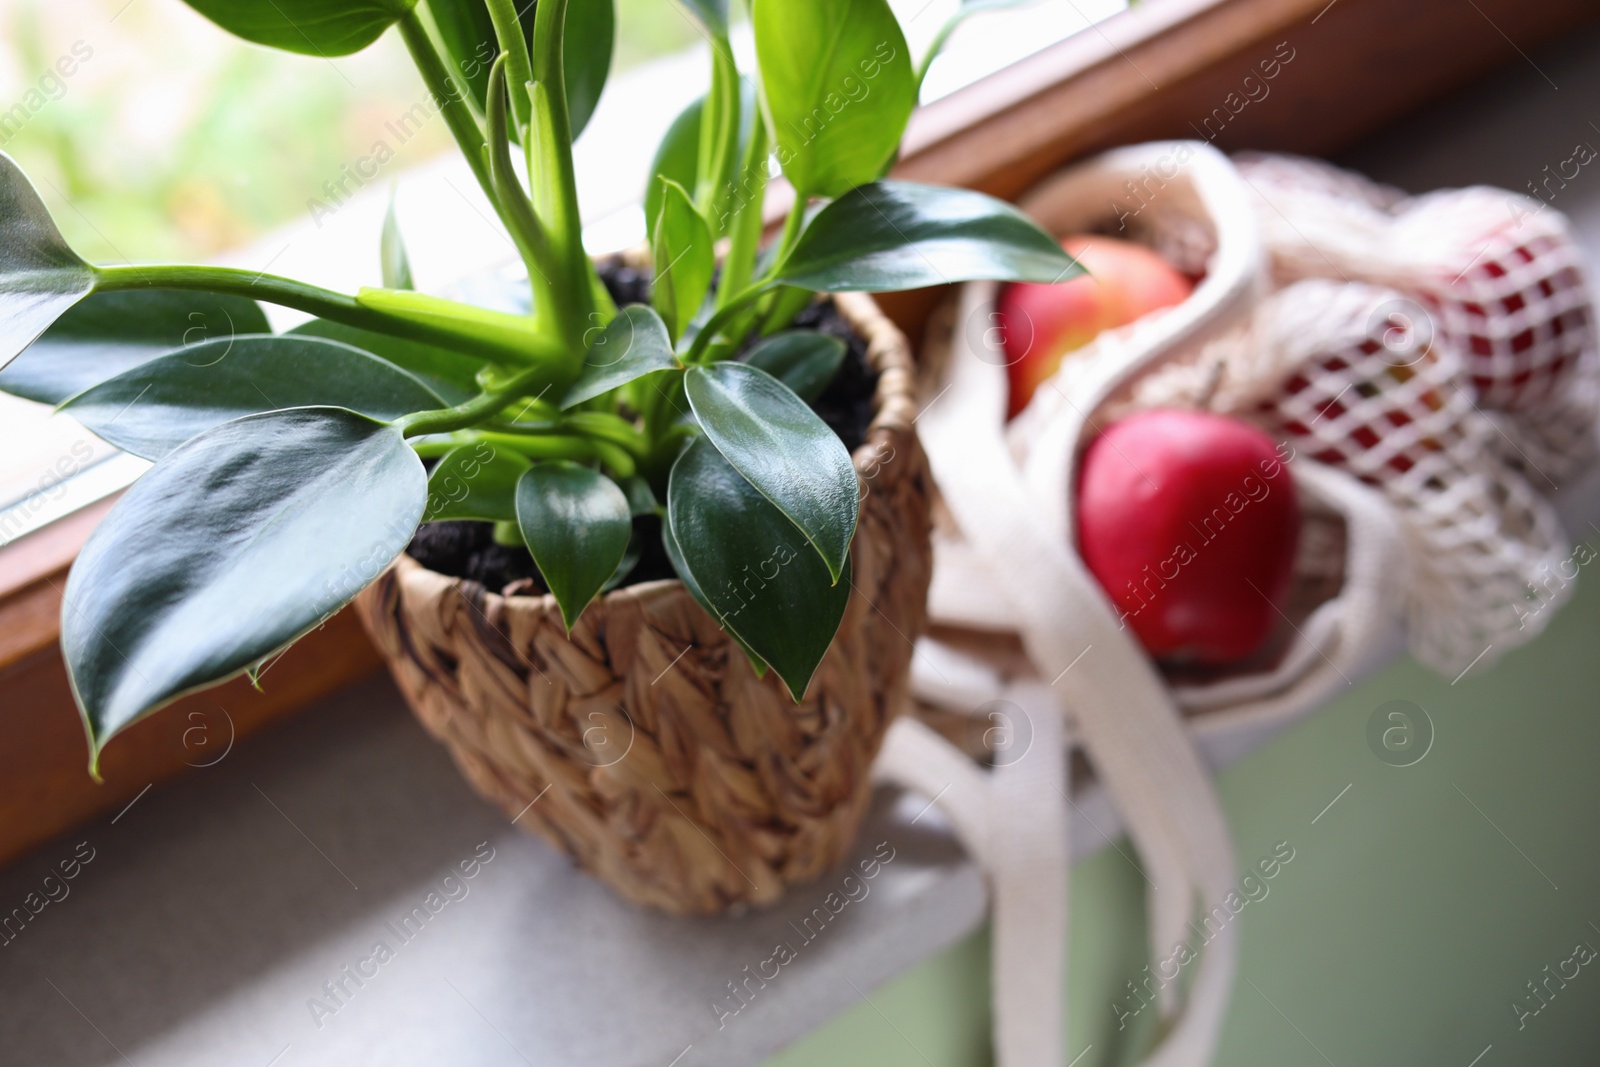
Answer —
1016 519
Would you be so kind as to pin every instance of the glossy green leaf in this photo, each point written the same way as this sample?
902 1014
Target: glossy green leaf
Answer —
590 39
511 332
752 566
586 52
467 32
684 259
804 360
392 252
641 498
719 130
779 444
109 333
476 481
787 301
227 550
40 275
453 375
677 159
576 522
630 559
675 556
157 406
631 345
712 14
678 155
838 88
894 235
310 27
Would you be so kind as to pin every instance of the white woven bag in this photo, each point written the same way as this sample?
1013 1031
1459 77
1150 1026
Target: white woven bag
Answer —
1417 504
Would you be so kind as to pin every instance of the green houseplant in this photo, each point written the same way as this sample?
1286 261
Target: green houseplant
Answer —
292 469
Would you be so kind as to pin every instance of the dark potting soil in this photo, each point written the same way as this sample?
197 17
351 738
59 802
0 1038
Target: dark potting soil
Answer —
846 405
468 549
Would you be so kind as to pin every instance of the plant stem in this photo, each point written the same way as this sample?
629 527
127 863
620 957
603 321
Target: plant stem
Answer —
565 447
723 316
534 407
661 416
568 446
791 233
749 197
719 132
469 135
551 173
657 468
446 93
546 446
230 280
608 427
438 447
508 31
597 424
324 303
787 302
478 409
785 305
526 231
550 446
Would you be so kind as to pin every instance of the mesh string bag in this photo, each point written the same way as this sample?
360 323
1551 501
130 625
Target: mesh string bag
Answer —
1495 274
1440 348
1432 362
1324 366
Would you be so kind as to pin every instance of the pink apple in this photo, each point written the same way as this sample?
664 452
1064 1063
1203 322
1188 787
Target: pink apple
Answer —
1042 323
1189 522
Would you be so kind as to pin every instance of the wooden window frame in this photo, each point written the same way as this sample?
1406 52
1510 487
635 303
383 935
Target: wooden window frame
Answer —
1151 72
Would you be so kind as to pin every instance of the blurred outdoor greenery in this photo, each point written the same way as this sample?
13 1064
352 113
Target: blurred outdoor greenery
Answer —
153 135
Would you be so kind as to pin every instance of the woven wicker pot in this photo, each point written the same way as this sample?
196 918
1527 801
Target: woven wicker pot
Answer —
645 746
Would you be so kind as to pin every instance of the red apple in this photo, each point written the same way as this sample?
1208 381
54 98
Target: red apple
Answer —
1041 323
1188 521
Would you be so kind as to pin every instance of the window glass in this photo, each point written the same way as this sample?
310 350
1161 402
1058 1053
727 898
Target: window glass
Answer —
153 136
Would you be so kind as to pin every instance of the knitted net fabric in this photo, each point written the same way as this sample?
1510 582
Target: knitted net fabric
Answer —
1442 349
